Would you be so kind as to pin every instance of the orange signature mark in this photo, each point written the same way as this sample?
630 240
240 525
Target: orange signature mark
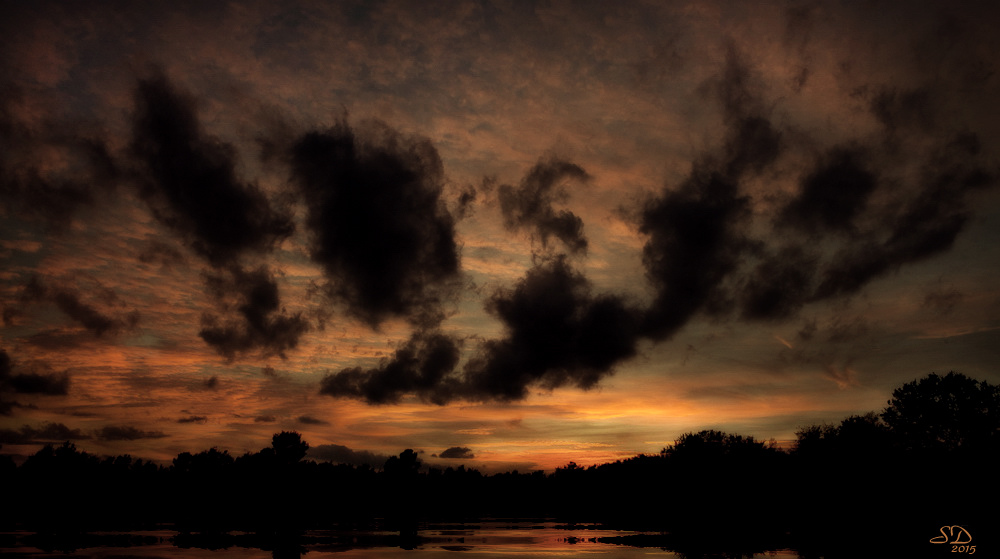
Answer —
951 533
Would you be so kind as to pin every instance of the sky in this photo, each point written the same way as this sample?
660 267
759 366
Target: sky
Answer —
503 234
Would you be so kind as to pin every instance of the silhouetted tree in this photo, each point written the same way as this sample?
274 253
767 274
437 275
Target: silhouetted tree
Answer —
406 465
946 413
856 436
815 440
207 463
289 448
402 484
712 445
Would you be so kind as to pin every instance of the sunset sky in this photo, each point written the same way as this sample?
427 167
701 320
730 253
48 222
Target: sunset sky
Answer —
503 234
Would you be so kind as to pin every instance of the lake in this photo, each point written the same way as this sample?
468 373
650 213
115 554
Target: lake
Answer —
483 539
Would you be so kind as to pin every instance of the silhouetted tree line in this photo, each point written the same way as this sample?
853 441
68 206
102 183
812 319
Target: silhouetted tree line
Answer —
928 459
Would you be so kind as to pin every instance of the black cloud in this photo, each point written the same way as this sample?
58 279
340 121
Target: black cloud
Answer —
697 232
49 432
752 142
557 332
339 454
905 109
29 382
832 195
87 315
190 182
126 433
458 452
866 240
260 323
696 240
79 166
421 366
7 407
193 419
913 228
530 204
380 230
310 420
707 252
779 285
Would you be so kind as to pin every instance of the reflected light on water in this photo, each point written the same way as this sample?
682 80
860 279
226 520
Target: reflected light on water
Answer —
484 540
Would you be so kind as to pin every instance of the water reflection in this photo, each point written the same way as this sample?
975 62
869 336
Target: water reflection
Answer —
485 540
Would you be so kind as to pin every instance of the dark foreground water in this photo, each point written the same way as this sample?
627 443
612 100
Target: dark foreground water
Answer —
484 540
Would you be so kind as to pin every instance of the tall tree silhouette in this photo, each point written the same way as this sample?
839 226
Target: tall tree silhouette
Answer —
289 448
948 413
857 435
404 466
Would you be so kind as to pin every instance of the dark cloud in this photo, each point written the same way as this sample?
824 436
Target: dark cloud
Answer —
458 452
421 366
34 383
89 317
211 382
799 22
702 257
339 454
529 206
193 419
852 219
557 332
260 323
49 171
831 196
190 182
10 315
164 254
943 300
7 407
59 339
902 109
310 420
865 240
698 232
126 433
466 202
30 382
379 227
779 285
264 419
85 314
913 228
696 240
49 432
752 142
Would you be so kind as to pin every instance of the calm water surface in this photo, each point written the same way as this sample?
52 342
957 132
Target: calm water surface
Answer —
484 540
